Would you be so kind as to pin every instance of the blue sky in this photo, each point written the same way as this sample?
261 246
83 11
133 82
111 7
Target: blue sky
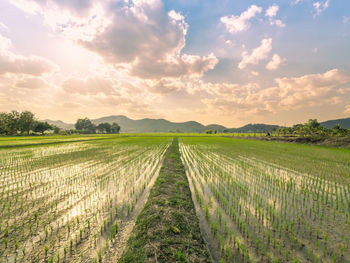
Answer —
227 62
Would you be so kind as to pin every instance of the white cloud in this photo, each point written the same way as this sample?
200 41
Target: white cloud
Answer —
138 37
5 43
30 6
91 85
147 42
18 64
295 2
258 54
275 62
3 27
77 19
278 23
271 13
235 24
321 6
289 94
311 90
347 109
31 83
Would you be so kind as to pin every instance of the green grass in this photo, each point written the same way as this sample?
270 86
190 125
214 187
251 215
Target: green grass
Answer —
330 162
14 141
293 194
167 229
231 176
68 191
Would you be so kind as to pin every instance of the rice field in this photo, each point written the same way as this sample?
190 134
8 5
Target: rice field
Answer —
72 201
77 199
270 202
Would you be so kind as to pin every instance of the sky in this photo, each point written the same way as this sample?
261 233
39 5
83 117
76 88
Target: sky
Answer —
212 61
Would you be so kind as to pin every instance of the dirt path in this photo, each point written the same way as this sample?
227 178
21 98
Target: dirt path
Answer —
167 230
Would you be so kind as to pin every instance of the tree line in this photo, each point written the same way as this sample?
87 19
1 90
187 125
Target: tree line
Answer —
86 126
312 128
25 123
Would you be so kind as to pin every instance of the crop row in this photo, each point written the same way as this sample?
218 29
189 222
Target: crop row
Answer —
68 202
260 212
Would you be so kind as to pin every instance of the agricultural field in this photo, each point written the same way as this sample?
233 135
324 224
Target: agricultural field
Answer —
72 201
156 198
270 202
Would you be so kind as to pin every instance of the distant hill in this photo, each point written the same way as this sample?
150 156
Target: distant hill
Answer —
162 125
254 128
61 124
151 125
217 127
344 123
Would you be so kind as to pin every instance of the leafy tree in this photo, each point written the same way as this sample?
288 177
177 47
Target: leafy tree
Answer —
26 121
338 130
56 130
115 128
85 126
104 127
42 127
211 131
4 123
13 118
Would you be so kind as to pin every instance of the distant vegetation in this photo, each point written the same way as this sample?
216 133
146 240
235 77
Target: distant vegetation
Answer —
253 128
312 128
161 125
25 123
86 126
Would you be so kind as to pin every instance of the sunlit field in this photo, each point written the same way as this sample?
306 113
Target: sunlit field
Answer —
67 201
77 198
271 202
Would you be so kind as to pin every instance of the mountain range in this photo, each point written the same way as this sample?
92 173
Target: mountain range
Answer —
161 125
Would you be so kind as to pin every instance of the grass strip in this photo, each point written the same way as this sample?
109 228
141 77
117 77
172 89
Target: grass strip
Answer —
167 229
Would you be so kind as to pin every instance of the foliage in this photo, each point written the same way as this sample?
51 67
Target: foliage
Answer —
211 131
311 128
20 123
86 126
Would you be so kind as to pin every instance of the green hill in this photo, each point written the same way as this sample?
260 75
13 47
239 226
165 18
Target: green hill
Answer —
161 125
254 128
61 124
344 123
217 127
151 125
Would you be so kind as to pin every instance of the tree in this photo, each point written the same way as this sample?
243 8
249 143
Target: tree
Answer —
338 130
313 124
115 128
85 126
40 126
56 130
13 118
4 123
104 127
26 121
211 131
